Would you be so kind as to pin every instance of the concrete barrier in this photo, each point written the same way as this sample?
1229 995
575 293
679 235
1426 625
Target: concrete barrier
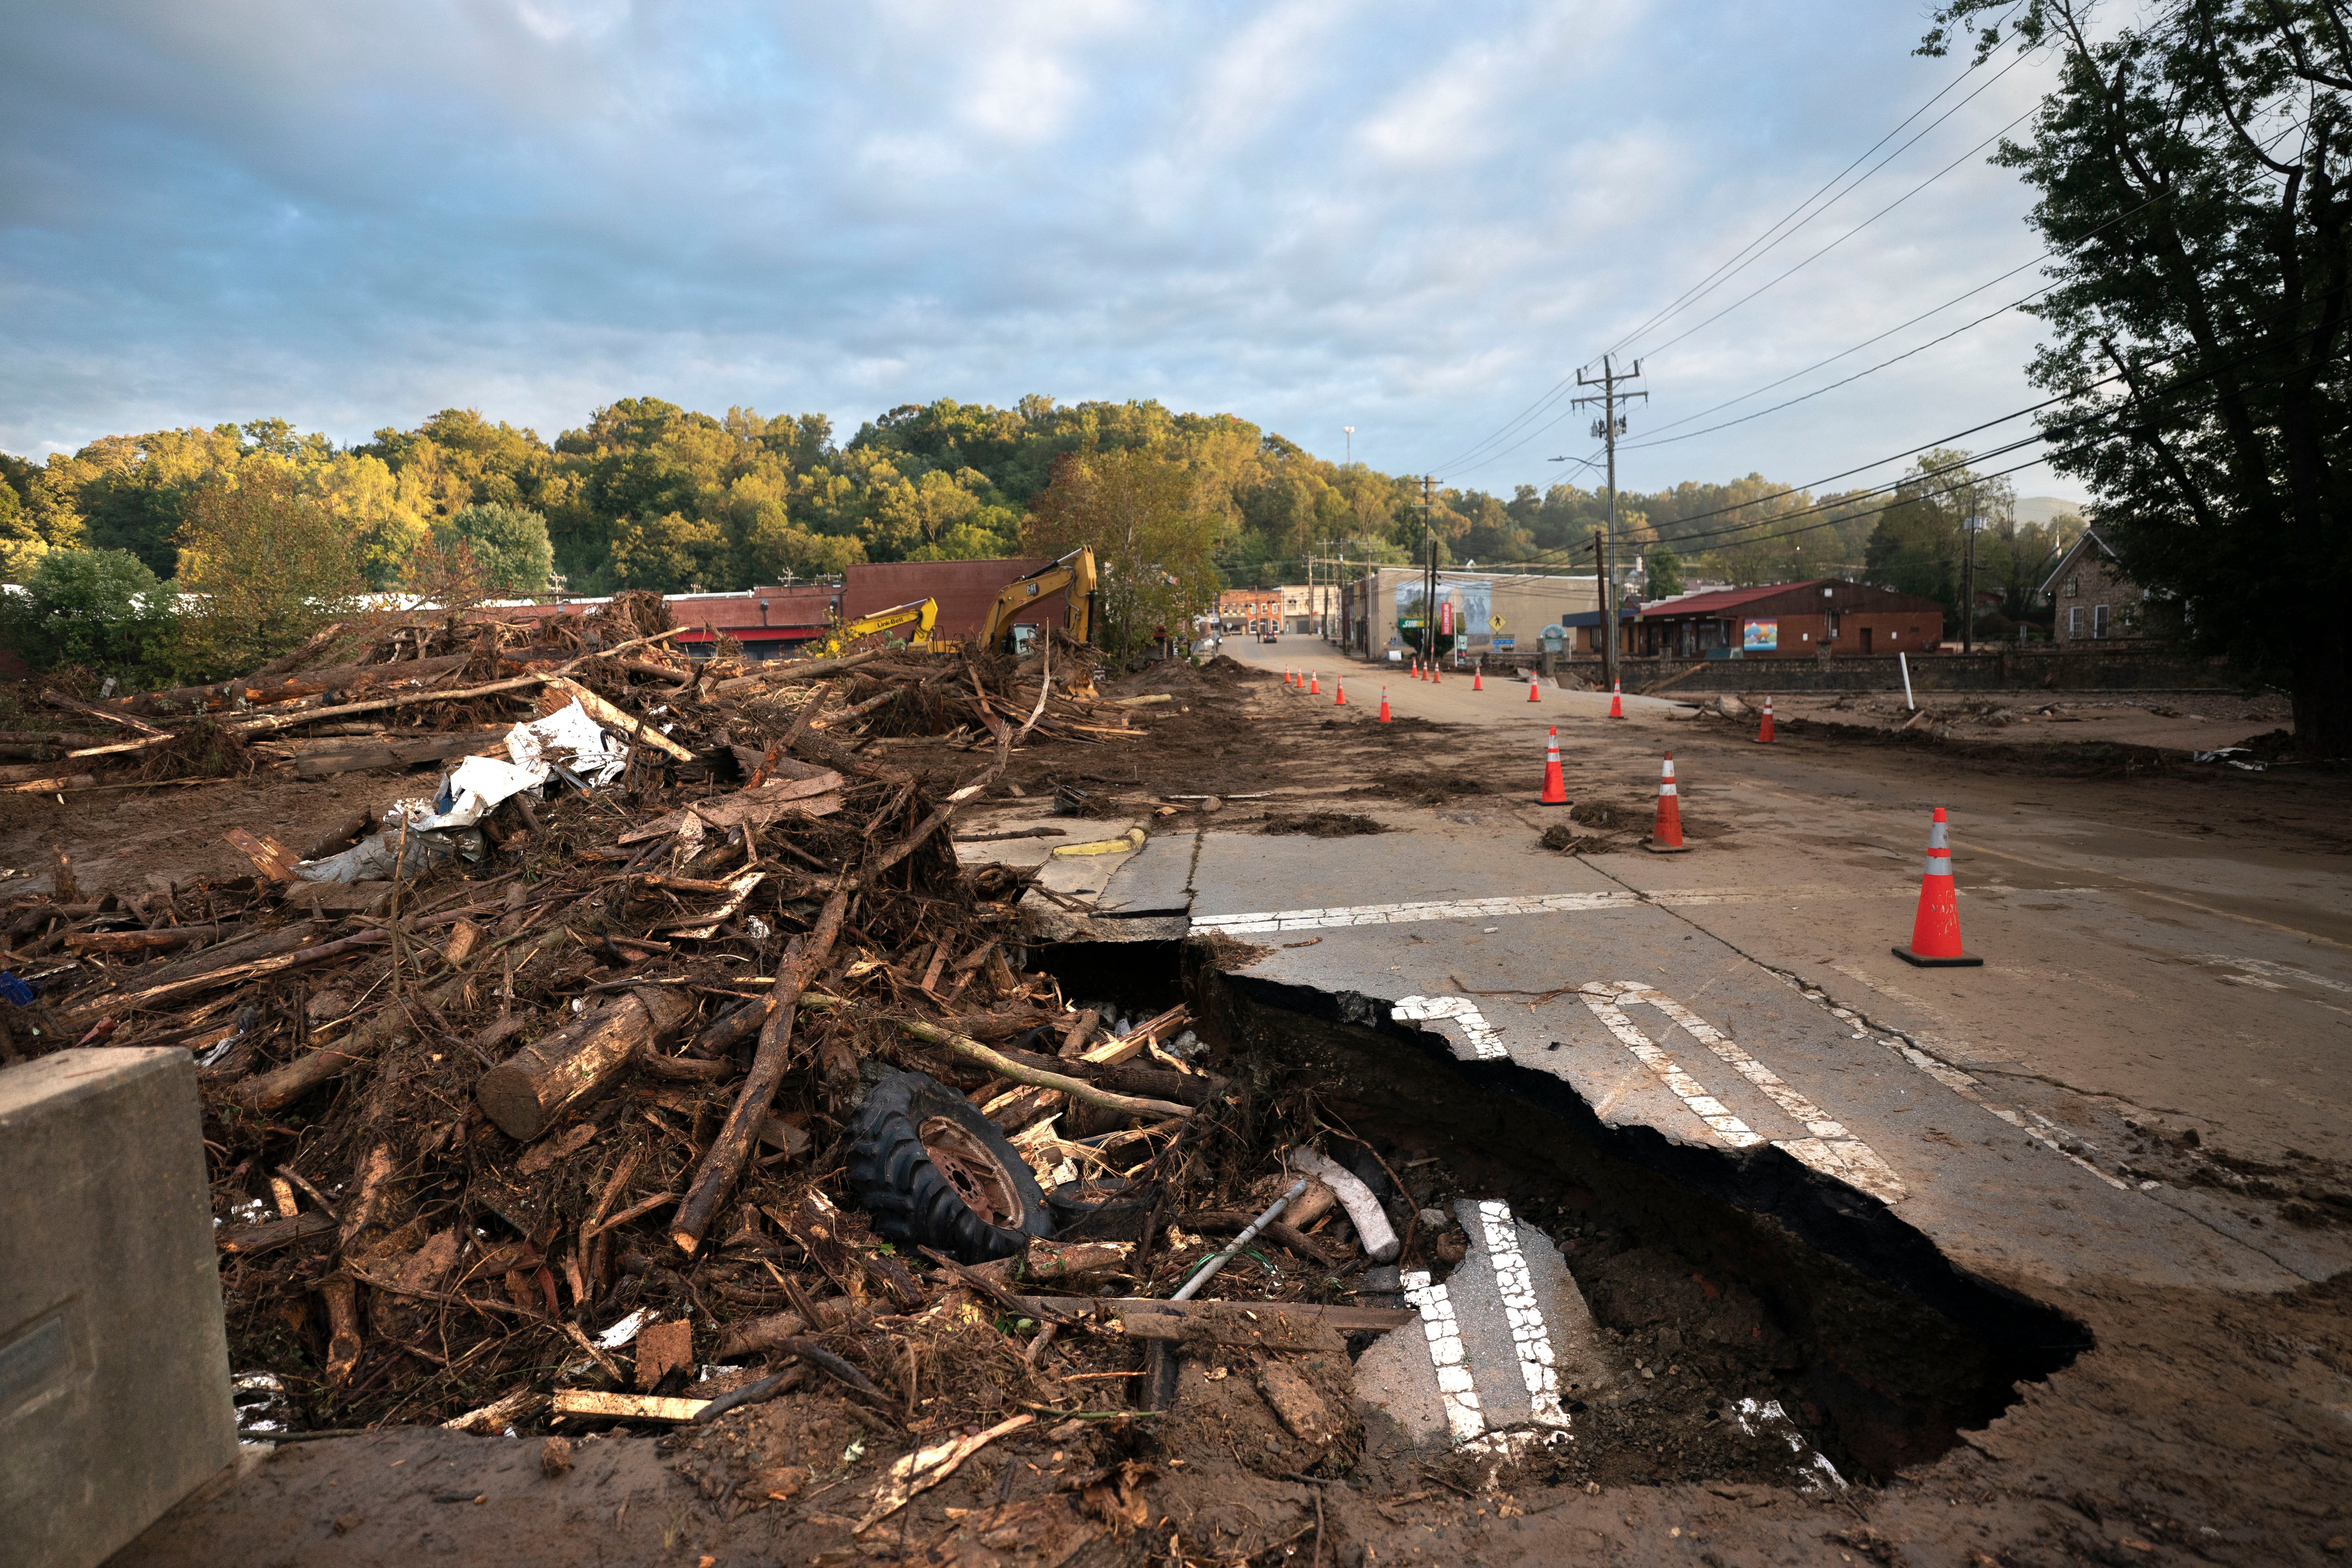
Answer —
114 1381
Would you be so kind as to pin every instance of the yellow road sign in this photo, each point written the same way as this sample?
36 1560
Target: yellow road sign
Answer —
1495 623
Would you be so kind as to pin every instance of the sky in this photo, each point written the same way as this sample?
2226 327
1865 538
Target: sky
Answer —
1409 218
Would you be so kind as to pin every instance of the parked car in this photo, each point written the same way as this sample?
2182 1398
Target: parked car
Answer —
1269 634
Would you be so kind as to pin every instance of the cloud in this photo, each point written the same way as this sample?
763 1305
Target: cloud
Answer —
1313 213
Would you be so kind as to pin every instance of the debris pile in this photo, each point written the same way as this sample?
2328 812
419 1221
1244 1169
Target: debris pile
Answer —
652 1056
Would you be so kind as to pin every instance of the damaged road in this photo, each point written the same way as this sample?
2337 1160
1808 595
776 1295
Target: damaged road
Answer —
1725 1237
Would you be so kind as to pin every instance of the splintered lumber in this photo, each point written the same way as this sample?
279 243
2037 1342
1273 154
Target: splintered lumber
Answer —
140 940
612 718
401 754
626 1406
270 858
244 1240
526 1093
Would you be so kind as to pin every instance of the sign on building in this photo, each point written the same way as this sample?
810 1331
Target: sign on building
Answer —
1760 637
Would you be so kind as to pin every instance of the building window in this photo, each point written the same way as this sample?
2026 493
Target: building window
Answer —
2074 620
2074 587
2098 620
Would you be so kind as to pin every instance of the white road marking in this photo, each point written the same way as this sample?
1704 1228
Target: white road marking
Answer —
1829 1148
1525 904
1486 1045
1454 1389
1529 1337
1705 1107
1964 1086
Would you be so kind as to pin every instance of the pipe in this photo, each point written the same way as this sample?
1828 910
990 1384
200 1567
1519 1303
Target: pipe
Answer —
1209 1270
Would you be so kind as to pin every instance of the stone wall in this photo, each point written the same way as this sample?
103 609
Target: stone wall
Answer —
2041 668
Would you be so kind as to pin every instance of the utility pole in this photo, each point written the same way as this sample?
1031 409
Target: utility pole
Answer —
1608 428
1429 573
1968 586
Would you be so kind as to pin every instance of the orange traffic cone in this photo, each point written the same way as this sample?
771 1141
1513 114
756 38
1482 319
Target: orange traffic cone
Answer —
1340 687
1478 676
1666 834
1314 684
1434 673
1555 789
1384 704
1531 685
1617 702
1764 735
1936 932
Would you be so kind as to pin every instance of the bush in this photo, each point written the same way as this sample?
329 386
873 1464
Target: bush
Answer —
101 608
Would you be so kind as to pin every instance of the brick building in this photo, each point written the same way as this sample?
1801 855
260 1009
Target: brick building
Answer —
1250 610
2094 600
1790 620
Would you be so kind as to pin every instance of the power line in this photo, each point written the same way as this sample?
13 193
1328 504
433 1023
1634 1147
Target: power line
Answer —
1730 269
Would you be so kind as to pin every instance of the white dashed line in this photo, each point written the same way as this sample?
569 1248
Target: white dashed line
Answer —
1829 1148
1529 1337
1705 1106
1487 909
1454 1389
1486 1045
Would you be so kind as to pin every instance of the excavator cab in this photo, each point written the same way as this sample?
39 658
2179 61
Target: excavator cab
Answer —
1003 627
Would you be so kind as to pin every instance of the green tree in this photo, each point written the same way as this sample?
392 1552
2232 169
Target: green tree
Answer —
510 545
101 608
1664 570
1152 539
261 566
2196 182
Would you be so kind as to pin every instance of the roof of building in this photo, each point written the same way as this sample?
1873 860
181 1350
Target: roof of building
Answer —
1715 601
2065 561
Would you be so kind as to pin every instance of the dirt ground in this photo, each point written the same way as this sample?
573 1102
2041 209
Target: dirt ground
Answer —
2202 1424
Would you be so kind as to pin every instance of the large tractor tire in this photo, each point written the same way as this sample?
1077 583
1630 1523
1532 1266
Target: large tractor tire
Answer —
933 1172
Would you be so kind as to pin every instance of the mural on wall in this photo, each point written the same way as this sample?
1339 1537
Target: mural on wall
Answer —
1473 603
1760 637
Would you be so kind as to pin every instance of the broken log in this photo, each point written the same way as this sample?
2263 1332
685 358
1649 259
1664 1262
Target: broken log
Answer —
526 1093
715 1177
176 989
1160 1083
964 1046
283 1086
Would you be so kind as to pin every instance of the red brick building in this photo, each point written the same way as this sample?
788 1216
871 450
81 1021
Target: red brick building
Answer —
1250 610
1791 620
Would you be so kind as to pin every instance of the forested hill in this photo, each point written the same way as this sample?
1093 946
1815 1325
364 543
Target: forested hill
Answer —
647 494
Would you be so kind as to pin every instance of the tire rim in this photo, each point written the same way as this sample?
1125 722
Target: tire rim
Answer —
973 1169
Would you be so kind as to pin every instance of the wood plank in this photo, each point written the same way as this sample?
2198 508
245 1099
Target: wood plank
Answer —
626 1406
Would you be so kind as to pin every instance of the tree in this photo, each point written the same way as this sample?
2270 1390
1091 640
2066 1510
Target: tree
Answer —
261 567
101 608
2195 196
1664 570
508 544
1142 514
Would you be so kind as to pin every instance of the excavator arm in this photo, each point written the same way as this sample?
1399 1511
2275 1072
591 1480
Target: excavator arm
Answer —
922 614
1075 572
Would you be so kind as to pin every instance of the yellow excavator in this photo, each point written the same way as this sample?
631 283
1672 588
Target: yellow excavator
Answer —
921 613
1075 572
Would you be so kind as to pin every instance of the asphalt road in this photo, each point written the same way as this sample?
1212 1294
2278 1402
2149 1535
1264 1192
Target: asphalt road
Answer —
2147 972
